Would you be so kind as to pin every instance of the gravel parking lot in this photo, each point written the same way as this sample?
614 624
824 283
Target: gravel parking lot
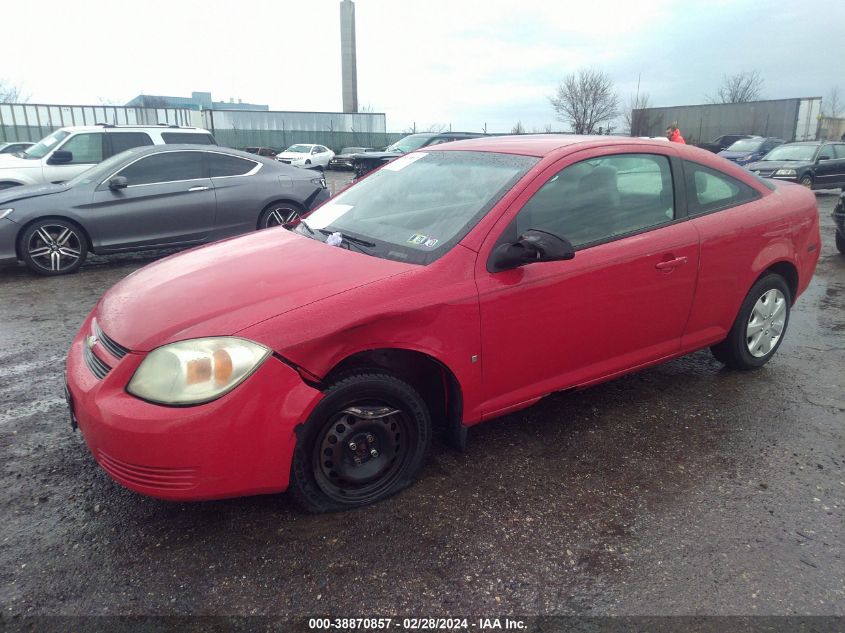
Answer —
683 489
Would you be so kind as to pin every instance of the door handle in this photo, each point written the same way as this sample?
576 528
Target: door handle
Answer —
671 264
198 189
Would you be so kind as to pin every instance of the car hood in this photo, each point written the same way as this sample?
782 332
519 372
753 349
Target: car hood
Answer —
34 191
778 164
292 155
10 161
220 289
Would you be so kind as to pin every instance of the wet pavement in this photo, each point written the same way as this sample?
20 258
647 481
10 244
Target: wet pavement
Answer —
683 489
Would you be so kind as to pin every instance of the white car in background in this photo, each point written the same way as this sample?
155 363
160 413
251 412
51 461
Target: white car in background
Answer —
306 155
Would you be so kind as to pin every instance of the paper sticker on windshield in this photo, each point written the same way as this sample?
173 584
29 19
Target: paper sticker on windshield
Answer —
416 238
49 141
430 243
327 214
404 161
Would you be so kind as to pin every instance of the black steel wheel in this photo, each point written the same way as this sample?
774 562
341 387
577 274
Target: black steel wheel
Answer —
279 214
364 442
53 247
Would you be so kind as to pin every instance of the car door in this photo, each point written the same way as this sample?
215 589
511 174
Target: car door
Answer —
319 156
622 302
838 167
239 198
826 169
87 150
168 200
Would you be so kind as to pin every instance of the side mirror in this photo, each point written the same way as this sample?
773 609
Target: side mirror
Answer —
118 182
60 157
825 157
532 246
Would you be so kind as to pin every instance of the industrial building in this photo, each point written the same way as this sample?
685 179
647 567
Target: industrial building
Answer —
197 101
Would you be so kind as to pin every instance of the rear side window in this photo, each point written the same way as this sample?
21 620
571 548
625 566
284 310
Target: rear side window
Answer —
186 137
710 190
86 148
122 141
839 151
220 165
166 167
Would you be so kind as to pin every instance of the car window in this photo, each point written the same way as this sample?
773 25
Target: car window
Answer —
839 151
225 165
708 189
165 167
186 137
86 148
826 152
121 141
597 199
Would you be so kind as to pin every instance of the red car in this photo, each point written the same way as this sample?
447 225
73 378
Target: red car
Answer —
455 284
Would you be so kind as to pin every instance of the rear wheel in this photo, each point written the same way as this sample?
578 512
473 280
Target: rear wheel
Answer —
364 442
759 327
279 214
53 247
840 242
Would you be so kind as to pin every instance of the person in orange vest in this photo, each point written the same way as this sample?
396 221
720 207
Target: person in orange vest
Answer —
674 134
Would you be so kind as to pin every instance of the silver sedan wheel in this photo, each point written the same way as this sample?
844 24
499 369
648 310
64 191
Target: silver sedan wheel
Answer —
765 325
54 247
280 217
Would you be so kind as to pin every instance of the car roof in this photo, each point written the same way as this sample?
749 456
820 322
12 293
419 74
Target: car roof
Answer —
107 126
540 144
170 147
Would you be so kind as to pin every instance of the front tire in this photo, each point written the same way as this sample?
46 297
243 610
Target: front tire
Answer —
840 242
807 181
53 247
364 441
759 327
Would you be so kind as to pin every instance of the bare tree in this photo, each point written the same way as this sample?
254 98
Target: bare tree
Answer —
638 121
11 93
833 106
739 88
518 128
437 128
367 108
585 100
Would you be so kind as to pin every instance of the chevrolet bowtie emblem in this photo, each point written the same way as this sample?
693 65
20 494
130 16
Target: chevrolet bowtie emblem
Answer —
91 341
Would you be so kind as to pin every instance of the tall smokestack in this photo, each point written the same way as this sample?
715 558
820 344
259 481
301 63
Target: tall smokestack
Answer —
349 68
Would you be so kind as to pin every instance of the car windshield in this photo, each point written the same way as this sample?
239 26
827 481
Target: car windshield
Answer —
299 149
103 170
40 149
409 143
746 145
792 152
419 206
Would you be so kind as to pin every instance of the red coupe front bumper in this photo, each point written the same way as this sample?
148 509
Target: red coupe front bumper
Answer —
240 444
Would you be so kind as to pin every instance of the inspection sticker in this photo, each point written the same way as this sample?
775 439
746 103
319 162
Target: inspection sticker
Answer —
404 161
416 238
429 243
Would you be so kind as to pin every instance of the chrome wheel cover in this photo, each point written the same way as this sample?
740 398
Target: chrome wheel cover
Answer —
766 323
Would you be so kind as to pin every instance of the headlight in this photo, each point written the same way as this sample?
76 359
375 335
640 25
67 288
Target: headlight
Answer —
320 182
5 213
196 371
786 172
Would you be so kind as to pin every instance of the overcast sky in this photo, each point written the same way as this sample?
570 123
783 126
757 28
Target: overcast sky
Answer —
426 61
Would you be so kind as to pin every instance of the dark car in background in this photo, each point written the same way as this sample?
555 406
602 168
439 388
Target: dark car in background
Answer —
839 220
814 164
722 142
263 151
749 150
150 198
366 162
14 146
344 159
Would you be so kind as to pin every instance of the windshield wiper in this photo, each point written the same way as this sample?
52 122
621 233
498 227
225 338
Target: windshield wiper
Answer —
350 241
305 224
